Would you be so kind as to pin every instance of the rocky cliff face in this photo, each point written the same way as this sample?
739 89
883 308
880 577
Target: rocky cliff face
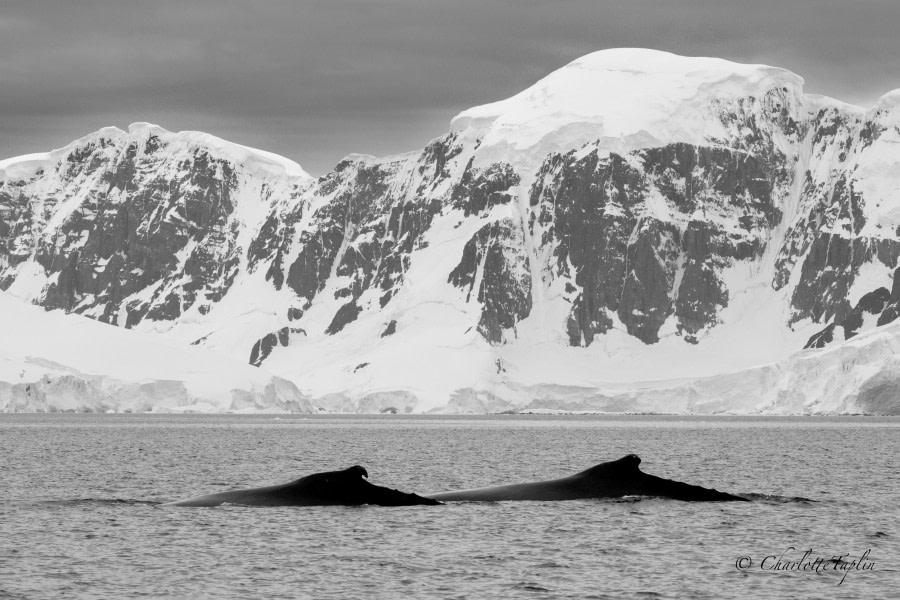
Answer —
124 227
633 216
644 238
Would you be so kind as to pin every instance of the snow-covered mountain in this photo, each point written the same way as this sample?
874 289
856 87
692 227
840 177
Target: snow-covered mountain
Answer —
636 231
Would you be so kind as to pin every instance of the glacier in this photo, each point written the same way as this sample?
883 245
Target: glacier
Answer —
636 232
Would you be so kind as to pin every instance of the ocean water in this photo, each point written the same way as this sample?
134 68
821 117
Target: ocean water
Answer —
80 513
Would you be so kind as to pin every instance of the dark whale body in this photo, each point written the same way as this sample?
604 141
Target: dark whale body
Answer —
347 488
607 480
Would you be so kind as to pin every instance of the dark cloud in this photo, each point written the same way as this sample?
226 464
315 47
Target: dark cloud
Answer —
317 79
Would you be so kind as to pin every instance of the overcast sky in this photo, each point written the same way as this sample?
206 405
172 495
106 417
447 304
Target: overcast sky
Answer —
316 80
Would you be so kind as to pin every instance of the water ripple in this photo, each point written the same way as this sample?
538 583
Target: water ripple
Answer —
80 513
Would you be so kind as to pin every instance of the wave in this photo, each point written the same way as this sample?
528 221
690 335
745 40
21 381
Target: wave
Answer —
776 499
769 498
92 501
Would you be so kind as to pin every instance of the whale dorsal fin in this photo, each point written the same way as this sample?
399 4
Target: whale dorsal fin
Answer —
625 466
354 473
357 471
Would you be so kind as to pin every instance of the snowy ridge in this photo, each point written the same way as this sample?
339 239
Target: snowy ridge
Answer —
630 97
250 158
21 167
888 102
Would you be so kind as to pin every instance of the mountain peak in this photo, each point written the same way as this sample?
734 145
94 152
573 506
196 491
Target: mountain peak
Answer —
142 126
888 102
649 62
619 93
249 157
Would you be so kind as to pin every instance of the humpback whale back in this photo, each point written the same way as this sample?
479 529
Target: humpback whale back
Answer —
347 488
613 479
625 475
627 466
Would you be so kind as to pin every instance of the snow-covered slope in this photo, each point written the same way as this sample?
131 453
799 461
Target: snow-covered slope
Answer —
622 234
50 361
861 376
628 98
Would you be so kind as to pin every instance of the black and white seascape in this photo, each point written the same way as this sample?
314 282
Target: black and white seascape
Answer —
449 299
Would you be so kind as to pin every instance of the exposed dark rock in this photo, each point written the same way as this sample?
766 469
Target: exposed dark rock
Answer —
505 289
892 309
479 190
821 339
391 329
126 236
879 301
264 346
626 258
828 271
702 294
365 232
872 303
345 315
